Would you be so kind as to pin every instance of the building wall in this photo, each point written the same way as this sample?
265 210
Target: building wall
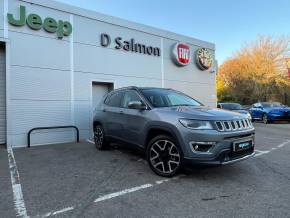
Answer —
50 79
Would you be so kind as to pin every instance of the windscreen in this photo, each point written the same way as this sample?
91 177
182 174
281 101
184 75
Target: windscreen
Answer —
168 98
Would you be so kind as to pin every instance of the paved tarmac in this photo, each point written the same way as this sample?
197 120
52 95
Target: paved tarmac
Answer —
76 180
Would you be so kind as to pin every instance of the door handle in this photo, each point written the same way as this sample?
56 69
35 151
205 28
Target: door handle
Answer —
121 112
104 110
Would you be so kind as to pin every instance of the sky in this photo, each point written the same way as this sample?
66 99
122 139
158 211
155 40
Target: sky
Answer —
229 24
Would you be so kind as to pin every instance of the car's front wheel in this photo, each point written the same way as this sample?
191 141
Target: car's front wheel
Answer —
164 156
99 138
265 119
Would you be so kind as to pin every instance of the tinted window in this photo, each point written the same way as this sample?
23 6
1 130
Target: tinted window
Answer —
232 106
114 100
273 104
130 96
168 98
257 105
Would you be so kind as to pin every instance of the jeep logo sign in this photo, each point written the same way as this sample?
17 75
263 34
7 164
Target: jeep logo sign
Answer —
181 54
35 22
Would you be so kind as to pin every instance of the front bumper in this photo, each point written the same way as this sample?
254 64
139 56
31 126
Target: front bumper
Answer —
222 151
224 158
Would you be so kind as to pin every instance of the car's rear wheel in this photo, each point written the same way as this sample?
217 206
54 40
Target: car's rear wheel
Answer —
99 138
164 156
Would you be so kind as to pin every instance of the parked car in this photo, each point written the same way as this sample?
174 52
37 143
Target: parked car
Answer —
270 111
234 107
173 128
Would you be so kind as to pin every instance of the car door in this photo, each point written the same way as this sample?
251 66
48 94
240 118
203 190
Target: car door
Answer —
256 111
113 114
133 120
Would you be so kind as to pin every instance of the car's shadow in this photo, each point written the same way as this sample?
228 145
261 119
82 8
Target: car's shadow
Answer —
137 155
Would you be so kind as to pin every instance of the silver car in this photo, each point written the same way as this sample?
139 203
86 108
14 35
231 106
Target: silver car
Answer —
172 128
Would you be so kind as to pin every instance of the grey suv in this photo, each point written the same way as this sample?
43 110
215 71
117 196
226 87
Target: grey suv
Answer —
173 128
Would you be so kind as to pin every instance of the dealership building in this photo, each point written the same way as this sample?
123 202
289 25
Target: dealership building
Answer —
57 61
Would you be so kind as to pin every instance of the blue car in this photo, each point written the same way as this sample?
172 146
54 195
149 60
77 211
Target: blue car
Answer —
270 111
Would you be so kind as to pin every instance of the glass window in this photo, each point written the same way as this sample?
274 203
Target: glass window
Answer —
272 104
129 96
168 98
257 105
232 106
114 100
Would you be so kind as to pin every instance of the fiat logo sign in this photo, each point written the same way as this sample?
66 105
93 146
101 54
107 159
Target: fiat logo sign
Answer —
181 54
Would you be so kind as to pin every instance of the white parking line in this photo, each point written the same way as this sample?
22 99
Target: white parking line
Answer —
272 149
283 144
19 204
123 192
112 195
259 151
57 212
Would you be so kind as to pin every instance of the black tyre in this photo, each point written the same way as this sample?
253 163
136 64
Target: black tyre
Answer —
164 156
99 138
265 119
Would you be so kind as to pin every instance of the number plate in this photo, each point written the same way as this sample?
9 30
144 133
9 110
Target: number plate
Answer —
242 145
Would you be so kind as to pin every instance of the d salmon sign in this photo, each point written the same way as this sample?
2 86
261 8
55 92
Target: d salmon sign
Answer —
181 54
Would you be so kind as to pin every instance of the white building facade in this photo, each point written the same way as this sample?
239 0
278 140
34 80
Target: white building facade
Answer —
57 61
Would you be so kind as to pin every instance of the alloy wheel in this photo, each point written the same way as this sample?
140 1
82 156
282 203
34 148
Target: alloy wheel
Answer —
164 156
265 118
98 136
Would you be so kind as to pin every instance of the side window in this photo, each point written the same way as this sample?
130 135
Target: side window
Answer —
130 95
114 100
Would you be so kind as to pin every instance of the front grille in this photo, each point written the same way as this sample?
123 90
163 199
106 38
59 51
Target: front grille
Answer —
233 125
234 155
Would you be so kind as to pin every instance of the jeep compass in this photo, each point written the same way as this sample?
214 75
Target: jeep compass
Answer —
172 128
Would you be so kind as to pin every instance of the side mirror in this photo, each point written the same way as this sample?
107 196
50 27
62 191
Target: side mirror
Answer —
137 105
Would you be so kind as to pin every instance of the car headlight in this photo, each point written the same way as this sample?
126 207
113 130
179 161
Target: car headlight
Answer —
249 116
196 124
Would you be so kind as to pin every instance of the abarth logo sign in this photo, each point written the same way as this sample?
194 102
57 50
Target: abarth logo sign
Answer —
181 54
204 58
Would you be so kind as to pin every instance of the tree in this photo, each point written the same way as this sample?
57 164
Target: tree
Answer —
257 72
